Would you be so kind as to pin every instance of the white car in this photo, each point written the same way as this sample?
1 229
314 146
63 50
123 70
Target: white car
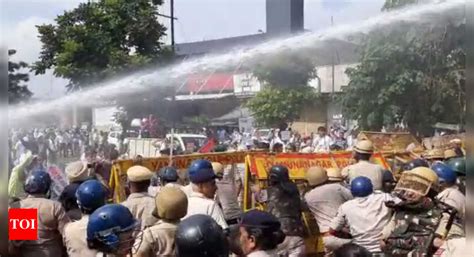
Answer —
151 147
114 136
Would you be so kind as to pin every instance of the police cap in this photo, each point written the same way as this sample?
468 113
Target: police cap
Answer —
138 173
260 219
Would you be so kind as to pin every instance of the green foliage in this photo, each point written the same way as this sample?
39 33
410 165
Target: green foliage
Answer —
100 39
276 107
285 91
17 89
409 74
121 117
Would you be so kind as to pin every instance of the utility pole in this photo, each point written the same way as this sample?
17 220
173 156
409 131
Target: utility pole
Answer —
333 62
173 98
172 22
172 19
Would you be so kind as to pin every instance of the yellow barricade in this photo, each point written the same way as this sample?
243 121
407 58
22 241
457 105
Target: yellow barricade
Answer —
118 176
258 164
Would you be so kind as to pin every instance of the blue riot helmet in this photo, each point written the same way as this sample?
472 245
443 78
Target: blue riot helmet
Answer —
168 174
38 182
112 229
201 171
91 195
445 173
361 187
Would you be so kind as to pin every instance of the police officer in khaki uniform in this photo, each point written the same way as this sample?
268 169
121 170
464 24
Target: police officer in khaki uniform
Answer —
159 239
449 194
323 200
139 202
51 218
334 174
76 172
362 153
227 193
201 200
90 196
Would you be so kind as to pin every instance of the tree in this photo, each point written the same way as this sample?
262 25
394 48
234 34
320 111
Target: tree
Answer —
277 107
408 74
100 39
285 90
17 90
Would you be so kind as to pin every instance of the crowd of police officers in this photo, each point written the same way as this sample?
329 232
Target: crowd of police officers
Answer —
361 210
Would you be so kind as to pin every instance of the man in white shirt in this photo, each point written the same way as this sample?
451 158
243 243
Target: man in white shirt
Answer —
322 142
366 215
201 200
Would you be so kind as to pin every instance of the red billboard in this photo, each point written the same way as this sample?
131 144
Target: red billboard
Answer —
206 83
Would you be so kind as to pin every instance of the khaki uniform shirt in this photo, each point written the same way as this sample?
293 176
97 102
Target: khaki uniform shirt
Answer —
453 197
158 240
199 204
141 205
228 198
364 168
75 238
51 221
324 201
366 217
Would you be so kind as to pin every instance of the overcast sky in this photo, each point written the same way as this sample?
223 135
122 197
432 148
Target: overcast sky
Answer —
216 19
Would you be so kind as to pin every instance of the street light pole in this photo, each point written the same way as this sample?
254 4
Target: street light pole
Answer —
172 23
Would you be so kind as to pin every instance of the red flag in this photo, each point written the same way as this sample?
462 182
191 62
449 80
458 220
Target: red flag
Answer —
208 146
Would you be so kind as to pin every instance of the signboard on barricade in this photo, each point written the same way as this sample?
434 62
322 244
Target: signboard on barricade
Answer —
59 181
118 175
298 163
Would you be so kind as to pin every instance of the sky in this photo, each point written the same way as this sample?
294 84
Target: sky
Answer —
197 20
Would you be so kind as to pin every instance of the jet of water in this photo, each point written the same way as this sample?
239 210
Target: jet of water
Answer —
160 76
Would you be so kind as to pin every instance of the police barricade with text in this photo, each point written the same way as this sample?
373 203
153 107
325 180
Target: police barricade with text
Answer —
255 182
118 176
